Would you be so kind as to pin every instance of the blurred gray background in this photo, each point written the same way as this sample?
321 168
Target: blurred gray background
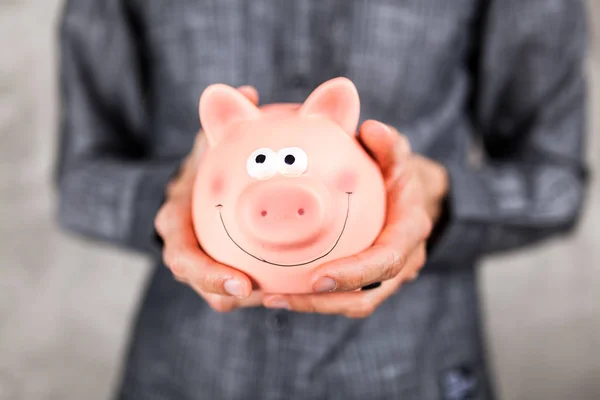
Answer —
66 304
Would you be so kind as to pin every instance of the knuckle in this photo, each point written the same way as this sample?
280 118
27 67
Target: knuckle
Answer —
396 175
361 280
210 283
176 260
177 268
353 315
311 306
404 144
164 218
414 276
159 220
169 258
365 308
426 222
352 277
394 263
359 314
167 210
180 278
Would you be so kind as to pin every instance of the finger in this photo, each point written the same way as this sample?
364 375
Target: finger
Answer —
227 303
414 264
205 274
387 145
351 304
250 93
382 261
173 223
184 258
329 303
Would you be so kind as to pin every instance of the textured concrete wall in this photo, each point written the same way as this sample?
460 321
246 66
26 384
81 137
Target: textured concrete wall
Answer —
66 304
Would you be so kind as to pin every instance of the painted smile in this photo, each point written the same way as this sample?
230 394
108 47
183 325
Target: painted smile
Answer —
220 206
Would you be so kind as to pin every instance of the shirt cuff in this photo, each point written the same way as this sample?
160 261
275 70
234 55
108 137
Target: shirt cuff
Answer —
150 196
459 239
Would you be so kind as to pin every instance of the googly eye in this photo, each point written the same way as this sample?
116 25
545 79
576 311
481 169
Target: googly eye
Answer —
262 163
292 161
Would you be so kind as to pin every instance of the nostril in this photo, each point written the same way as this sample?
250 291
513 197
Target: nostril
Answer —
301 211
263 213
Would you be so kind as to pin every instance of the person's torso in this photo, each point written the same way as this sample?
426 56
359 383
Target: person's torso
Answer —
408 59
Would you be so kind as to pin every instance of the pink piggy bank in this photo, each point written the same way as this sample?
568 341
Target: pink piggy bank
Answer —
284 188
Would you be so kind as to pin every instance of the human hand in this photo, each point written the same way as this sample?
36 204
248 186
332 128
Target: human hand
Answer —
416 188
224 288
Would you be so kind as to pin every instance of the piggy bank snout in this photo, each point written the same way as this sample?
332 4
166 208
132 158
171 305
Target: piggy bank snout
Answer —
283 215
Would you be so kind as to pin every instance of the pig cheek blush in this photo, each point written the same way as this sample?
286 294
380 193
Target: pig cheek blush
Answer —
346 181
217 186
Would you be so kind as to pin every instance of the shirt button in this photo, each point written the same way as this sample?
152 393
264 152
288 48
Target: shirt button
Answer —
277 322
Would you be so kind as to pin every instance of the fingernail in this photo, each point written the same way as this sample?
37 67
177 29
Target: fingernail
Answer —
278 303
324 285
234 288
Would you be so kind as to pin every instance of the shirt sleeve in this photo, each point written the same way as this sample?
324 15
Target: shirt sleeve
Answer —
529 112
110 186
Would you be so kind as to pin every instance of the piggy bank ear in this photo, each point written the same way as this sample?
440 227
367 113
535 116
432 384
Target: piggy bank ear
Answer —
336 99
220 106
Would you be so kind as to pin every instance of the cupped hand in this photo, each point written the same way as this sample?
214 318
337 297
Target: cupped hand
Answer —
416 188
224 288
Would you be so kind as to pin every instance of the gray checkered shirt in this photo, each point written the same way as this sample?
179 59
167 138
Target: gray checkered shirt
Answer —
498 79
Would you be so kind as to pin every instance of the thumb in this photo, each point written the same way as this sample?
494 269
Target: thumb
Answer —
386 144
